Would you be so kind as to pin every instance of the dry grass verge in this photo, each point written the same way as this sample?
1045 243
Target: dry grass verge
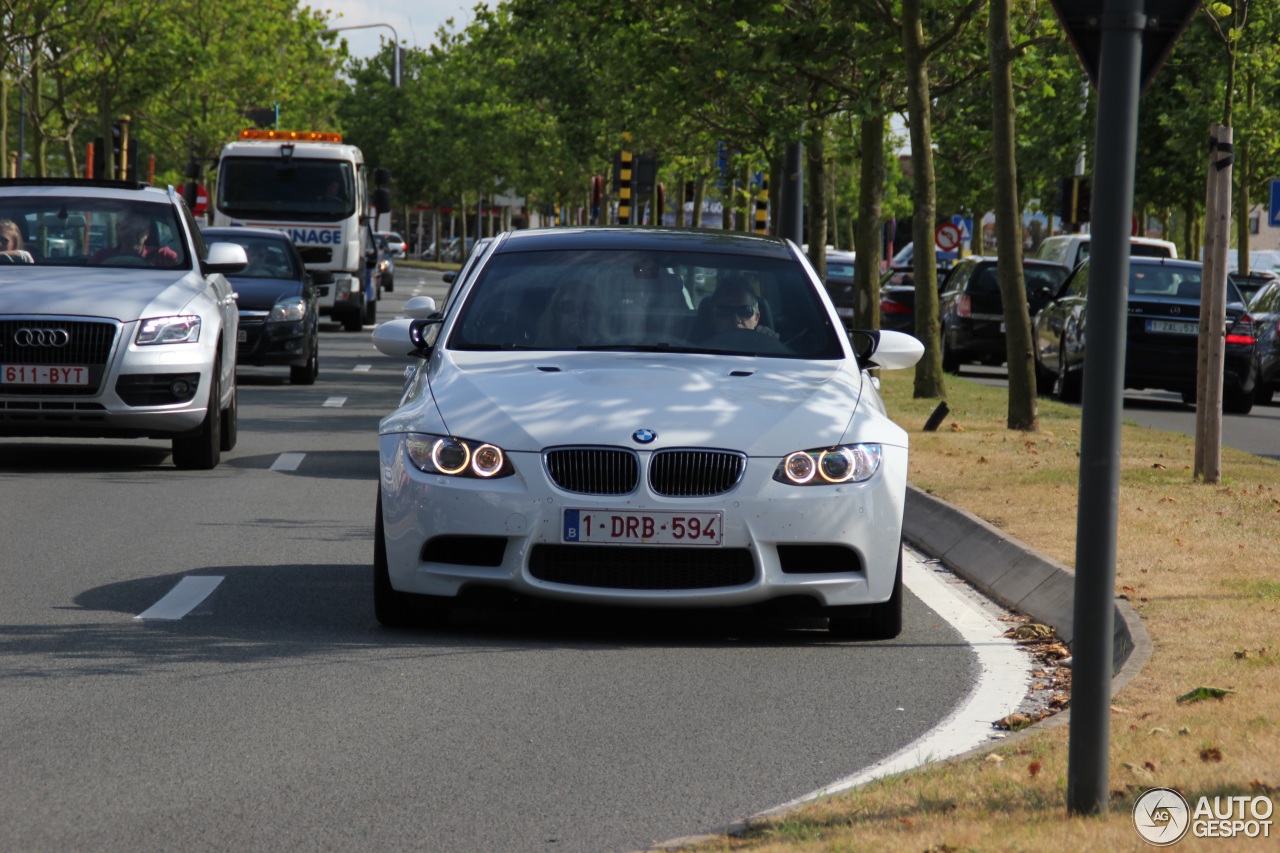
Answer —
1198 562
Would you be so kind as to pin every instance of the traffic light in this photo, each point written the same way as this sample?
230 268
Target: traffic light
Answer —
129 160
1074 199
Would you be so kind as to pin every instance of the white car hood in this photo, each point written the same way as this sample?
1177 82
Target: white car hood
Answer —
772 407
123 294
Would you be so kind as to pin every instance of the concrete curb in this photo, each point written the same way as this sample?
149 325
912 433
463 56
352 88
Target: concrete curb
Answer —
1015 575
1007 571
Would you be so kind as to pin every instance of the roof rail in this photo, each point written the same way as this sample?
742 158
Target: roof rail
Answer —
73 182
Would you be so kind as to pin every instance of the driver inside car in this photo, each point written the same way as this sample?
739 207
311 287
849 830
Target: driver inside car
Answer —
735 305
134 238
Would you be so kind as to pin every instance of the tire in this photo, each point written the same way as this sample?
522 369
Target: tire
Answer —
873 621
1044 379
353 322
371 313
394 609
1238 402
202 451
950 358
1069 385
231 422
305 374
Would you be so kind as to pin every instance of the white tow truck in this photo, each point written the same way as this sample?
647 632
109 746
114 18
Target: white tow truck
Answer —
315 188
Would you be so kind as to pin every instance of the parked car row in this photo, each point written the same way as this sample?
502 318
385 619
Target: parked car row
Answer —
1162 335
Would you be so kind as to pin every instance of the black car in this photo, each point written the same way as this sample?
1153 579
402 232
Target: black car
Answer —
839 282
971 311
1161 340
1250 283
1265 311
279 318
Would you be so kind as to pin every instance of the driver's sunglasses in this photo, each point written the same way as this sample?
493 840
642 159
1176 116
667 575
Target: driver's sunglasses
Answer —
741 312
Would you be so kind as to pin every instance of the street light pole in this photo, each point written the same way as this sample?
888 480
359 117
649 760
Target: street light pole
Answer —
395 68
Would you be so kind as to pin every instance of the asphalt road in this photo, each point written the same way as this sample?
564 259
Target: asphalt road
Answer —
279 716
1257 432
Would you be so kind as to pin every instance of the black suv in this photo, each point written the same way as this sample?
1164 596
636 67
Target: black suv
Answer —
972 311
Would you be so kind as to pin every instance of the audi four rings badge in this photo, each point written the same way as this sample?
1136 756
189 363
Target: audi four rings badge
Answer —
42 337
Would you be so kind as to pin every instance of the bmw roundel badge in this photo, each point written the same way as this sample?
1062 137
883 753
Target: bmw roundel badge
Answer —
644 436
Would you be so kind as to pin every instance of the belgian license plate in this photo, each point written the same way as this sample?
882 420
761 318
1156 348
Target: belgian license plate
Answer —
843 311
630 527
41 374
1173 327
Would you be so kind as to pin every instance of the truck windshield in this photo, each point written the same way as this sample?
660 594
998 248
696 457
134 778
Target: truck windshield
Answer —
310 190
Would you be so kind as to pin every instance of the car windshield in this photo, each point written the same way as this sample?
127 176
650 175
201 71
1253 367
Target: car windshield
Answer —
268 257
48 230
646 301
312 190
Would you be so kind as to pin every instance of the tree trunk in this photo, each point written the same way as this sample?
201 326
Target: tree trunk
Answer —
929 381
866 310
679 201
699 198
1022 411
816 167
4 126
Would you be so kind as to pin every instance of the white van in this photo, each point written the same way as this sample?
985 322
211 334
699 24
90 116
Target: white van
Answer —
1070 249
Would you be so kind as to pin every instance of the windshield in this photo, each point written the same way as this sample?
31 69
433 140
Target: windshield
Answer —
68 231
268 257
306 189
646 301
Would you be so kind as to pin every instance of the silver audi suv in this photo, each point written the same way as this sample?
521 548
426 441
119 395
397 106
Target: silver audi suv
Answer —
116 320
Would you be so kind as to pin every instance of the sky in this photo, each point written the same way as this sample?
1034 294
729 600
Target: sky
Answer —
415 21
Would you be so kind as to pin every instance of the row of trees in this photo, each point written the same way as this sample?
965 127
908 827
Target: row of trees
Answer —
534 96
184 73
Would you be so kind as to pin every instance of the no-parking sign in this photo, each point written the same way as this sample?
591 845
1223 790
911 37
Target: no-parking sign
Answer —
947 237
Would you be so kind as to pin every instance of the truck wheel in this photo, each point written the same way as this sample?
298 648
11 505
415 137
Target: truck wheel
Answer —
353 322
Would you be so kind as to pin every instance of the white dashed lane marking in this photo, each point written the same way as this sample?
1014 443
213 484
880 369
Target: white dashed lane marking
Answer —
334 403
287 462
182 599
362 368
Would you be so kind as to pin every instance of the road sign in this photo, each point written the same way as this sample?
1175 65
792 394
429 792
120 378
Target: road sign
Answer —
947 236
1273 217
202 201
1163 24
965 224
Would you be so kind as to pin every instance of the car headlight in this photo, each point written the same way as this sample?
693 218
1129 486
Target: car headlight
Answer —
169 330
288 310
456 457
851 463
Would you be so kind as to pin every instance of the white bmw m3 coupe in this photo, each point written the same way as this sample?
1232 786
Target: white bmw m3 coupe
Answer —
642 417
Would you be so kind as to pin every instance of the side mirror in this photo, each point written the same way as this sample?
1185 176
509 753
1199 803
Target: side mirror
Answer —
382 199
225 258
406 337
885 349
420 307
